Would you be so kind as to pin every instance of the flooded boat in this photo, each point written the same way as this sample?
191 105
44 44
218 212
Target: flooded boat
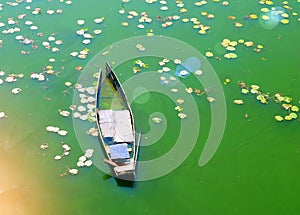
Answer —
115 125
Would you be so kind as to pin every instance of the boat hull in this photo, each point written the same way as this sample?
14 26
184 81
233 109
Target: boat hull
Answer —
115 125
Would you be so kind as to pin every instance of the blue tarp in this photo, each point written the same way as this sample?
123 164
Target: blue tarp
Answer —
119 151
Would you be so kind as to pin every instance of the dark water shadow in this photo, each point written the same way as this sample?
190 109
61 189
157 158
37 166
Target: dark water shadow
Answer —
106 177
125 183
120 182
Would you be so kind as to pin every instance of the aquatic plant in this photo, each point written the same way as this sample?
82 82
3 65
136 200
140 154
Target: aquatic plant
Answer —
278 98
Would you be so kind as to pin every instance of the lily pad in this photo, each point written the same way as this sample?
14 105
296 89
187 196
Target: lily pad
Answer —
2 114
62 132
156 119
284 21
254 91
80 22
73 171
256 87
166 69
288 118
211 99
245 91
180 101
209 54
230 48
57 157
293 115
295 108
230 55
286 106
238 101
182 115
279 118
260 97
88 163
178 108
136 69
264 9
183 73
280 98
198 72
189 90
287 99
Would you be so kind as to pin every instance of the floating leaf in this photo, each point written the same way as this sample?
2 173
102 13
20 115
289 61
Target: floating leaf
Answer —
136 69
286 106
264 101
255 87
260 97
145 65
230 48
182 115
288 118
156 119
259 46
253 16
230 55
254 91
280 98
238 101
73 171
227 81
295 108
287 99
178 108
284 21
293 115
189 90
180 101
209 54
279 118
245 91
211 99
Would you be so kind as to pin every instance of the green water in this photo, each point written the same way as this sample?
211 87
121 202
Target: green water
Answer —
255 169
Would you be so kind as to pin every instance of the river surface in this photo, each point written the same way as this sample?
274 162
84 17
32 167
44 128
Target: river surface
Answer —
223 158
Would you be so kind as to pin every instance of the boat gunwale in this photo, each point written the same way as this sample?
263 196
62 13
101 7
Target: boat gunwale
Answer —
119 89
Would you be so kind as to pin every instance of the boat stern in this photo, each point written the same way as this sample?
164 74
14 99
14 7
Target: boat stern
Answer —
125 171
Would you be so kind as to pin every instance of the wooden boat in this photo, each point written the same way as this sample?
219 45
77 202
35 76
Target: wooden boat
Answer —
115 124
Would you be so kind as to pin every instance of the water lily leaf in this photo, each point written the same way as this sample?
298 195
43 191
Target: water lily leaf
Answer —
245 91
145 65
260 97
182 115
136 69
287 99
178 108
255 87
254 91
288 118
264 101
286 106
238 101
156 119
279 118
280 98
211 99
293 115
295 108
138 62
